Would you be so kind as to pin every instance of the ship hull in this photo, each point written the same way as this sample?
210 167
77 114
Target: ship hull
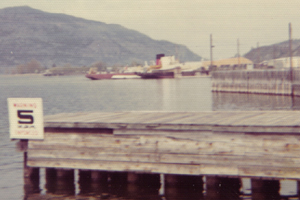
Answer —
112 76
156 75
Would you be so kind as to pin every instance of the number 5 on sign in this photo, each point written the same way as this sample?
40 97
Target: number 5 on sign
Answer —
26 118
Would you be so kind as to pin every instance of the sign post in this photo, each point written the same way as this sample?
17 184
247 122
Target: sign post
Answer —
26 118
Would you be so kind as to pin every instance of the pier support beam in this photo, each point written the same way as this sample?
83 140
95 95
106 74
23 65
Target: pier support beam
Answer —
265 189
184 181
183 186
298 188
65 181
60 181
85 178
222 188
31 178
118 177
99 182
132 177
99 176
140 184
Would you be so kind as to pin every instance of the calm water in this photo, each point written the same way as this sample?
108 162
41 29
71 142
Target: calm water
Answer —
76 94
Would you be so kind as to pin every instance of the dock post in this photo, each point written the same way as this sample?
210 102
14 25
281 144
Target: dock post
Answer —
60 181
171 180
213 185
184 181
31 178
84 181
222 188
99 182
65 181
132 177
99 176
298 188
265 189
118 177
50 174
184 186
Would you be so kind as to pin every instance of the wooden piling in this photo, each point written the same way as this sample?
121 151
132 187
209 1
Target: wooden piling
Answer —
222 188
60 181
265 189
99 176
50 175
184 181
132 177
84 181
65 181
31 177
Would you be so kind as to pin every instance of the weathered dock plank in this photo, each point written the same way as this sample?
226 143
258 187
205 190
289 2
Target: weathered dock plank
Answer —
234 143
181 121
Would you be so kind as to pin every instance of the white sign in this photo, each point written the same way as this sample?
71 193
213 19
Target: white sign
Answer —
26 118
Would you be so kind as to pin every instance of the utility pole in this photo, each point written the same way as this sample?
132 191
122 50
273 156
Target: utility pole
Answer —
258 54
176 54
211 52
274 56
291 57
290 46
238 52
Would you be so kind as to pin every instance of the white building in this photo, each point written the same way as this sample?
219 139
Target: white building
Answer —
282 62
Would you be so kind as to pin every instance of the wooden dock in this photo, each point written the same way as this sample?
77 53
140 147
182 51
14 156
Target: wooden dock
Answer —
276 82
262 144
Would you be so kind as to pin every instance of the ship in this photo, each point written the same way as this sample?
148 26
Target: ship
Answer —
166 67
93 74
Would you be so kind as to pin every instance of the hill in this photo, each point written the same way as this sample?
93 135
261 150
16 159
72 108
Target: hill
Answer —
58 39
274 51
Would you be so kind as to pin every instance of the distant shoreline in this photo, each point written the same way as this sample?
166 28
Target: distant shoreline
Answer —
21 74
16 75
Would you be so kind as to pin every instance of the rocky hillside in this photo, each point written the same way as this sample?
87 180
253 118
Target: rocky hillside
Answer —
27 34
274 51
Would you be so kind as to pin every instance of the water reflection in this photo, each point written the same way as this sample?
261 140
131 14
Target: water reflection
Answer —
184 94
241 101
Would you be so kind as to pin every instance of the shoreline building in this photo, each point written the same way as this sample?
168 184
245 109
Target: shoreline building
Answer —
229 64
282 62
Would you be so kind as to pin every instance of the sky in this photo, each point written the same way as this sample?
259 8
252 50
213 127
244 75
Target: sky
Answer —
189 22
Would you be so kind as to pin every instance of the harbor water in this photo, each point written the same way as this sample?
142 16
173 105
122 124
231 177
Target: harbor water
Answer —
79 94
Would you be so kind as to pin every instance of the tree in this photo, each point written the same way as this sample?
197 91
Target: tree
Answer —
101 66
33 66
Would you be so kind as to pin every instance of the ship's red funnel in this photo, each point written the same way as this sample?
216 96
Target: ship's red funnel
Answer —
158 56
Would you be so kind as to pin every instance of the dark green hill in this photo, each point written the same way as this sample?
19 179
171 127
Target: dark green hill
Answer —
27 34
